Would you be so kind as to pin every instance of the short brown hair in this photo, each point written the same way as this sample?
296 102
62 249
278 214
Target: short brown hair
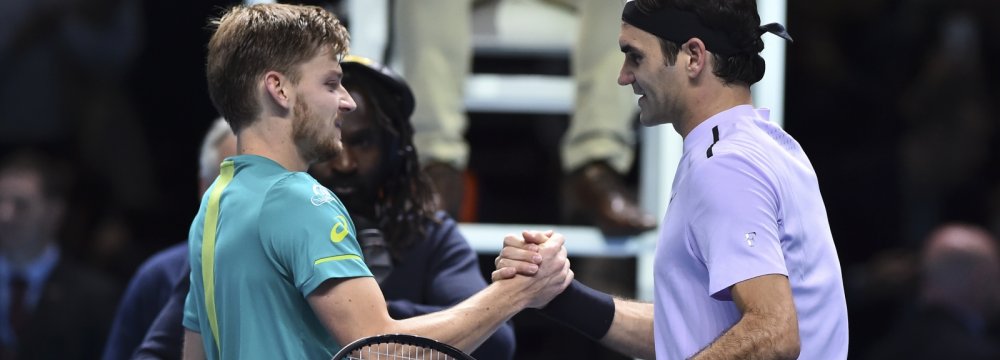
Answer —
251 40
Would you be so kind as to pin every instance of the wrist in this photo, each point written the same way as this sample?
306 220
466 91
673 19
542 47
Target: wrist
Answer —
567 308
509 295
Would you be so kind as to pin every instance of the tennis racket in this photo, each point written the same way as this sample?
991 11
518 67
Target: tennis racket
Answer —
399 346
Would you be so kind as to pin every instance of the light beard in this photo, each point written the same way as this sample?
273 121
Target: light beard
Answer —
314 143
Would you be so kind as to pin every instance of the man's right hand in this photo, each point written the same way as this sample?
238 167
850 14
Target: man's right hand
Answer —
520 254
547 266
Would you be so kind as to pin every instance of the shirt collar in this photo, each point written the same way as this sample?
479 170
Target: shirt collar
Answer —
36 270
701 136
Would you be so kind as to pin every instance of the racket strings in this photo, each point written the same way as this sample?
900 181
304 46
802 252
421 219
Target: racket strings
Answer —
396 351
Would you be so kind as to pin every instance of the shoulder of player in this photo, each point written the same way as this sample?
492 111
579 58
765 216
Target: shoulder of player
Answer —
299 188
738 142
742 137
733 167
293 184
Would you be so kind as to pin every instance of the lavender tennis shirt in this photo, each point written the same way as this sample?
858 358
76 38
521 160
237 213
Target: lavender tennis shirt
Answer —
745 203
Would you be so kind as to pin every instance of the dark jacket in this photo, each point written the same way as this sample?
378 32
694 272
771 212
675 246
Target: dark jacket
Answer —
72 317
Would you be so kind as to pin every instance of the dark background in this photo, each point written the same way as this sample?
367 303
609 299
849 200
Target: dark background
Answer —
894 101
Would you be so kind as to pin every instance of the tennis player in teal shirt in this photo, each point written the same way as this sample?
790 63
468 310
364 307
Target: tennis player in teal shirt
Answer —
272 218
276 270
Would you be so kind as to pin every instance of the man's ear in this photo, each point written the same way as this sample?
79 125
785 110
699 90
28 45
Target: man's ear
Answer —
278 88
697 57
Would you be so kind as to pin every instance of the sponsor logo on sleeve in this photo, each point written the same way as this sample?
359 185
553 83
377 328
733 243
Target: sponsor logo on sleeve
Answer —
321 195
339 230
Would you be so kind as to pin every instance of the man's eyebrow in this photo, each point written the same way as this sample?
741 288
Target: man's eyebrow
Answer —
628 48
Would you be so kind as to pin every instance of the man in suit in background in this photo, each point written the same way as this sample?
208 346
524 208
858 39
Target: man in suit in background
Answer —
50 308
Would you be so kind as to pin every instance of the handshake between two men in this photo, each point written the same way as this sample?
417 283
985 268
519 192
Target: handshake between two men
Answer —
622 325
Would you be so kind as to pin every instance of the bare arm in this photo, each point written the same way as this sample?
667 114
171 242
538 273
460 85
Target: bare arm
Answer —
769 327
354 308
193 347
631 331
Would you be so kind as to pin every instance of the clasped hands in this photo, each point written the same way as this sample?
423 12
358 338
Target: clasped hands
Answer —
540 258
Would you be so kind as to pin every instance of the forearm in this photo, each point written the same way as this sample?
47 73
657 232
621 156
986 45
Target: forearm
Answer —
499 345
754 337
768 327
469 323
631 331
355 308
404 309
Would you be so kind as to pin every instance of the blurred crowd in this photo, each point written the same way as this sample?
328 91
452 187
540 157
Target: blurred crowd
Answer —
104 101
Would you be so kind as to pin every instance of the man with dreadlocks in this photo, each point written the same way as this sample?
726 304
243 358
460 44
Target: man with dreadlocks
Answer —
429 265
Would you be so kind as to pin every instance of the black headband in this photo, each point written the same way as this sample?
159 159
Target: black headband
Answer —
680 26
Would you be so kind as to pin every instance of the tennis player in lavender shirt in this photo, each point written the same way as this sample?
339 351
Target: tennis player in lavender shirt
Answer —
745 264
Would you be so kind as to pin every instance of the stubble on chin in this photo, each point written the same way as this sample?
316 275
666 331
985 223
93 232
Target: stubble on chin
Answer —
311 140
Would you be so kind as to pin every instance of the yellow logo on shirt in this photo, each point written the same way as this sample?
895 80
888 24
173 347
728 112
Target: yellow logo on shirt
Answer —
339 230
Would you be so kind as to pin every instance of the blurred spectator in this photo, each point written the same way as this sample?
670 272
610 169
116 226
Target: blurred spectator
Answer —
154 282
66 65
50 308
959 298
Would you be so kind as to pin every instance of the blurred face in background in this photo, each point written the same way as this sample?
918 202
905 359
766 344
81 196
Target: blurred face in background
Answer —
28 217
357 173
226 148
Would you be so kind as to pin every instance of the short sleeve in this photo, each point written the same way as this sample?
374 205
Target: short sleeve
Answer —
308 234
735 222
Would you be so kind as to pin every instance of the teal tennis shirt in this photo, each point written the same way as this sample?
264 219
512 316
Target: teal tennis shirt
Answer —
264 239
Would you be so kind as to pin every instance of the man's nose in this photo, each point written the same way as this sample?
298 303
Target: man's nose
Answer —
344 163
625 77
347 103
